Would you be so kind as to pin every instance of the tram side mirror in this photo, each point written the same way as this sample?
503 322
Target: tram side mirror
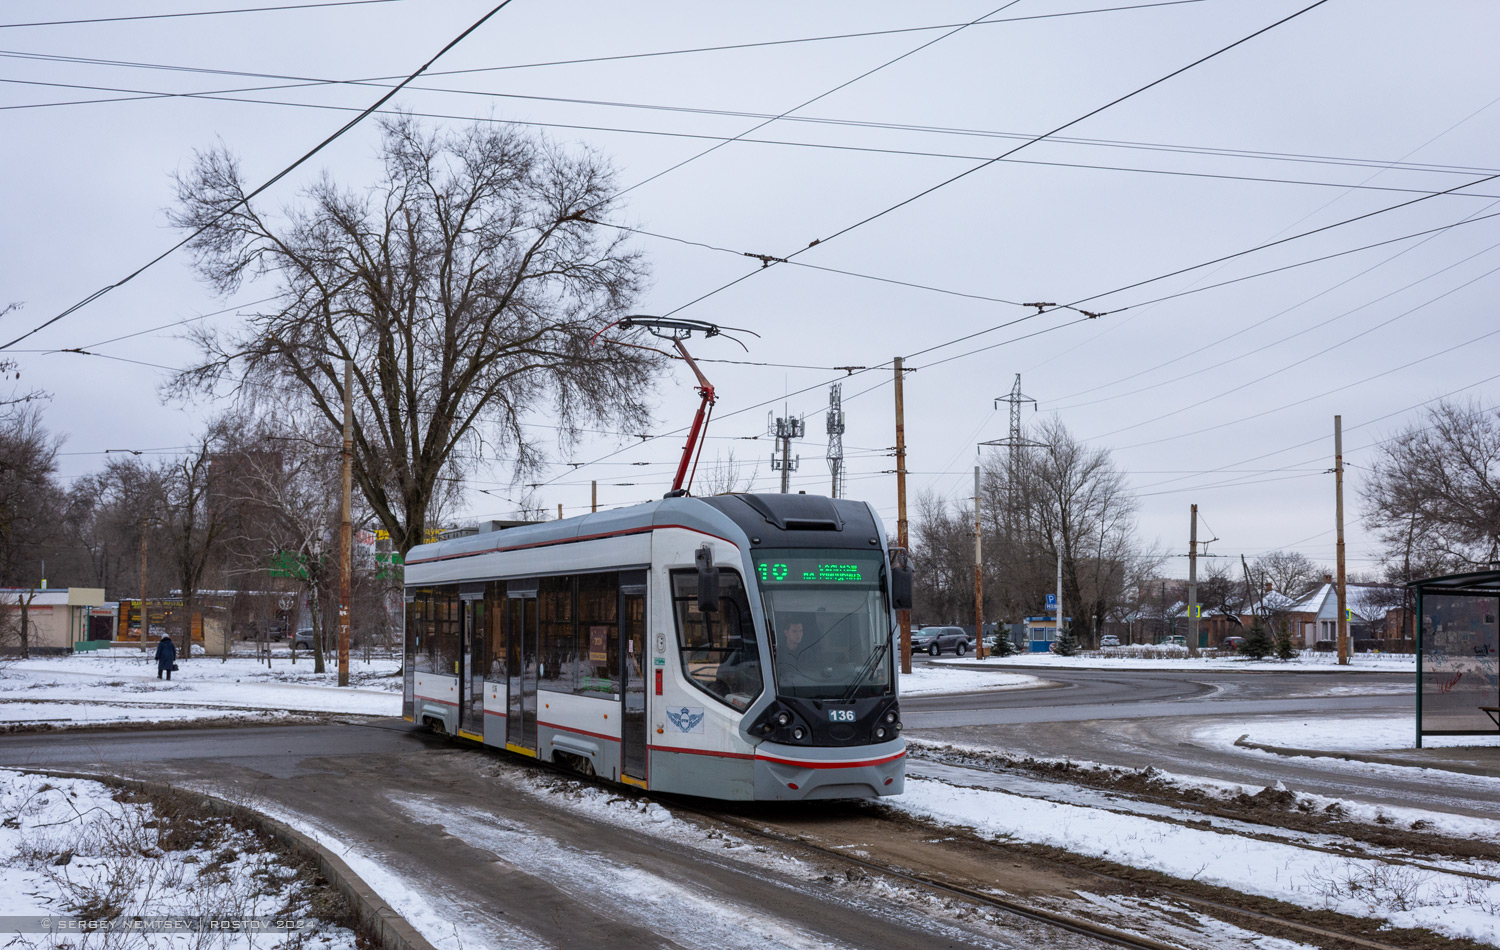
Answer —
900 580
708 580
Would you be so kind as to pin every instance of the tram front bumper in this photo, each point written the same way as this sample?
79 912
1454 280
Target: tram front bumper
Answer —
796 773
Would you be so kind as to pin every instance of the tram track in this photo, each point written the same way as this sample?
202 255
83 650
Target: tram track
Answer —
1275 918
1241 822
1273 924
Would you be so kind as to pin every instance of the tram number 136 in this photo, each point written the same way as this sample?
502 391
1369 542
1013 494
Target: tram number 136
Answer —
840 715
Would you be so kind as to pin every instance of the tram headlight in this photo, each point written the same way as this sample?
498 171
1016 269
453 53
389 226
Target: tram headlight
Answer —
783 718
890 717
799 733
880 732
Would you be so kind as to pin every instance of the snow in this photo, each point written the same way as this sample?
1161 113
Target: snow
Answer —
69 849
1362 734
121 686
928 679
680 911
1402 894
1125 658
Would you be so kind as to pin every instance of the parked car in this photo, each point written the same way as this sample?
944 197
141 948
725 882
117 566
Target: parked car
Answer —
1233 643
303 640
1177 641
1109 640
935 640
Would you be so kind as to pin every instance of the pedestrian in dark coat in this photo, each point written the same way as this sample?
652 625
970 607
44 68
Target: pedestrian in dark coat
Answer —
166 657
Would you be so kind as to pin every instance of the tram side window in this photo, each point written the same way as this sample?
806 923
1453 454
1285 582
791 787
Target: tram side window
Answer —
494 630
559 649
446 645
599 635
419 632
719 650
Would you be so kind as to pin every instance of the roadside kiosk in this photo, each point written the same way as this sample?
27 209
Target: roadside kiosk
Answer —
1458 651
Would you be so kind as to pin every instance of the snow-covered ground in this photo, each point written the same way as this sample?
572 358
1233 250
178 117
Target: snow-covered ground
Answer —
111 686
114 686
1402 893
1362 734
70 849
1158 658
929 679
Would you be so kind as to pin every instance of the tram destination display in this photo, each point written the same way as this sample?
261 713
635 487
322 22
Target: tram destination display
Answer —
819 567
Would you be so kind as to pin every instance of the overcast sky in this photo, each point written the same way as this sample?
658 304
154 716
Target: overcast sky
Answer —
1219 395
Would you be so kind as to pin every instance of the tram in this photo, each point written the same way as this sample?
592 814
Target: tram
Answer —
732 647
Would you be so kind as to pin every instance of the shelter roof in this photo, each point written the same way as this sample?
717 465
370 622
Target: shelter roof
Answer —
1485 582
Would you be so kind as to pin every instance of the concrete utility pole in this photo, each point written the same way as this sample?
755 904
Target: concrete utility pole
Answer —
903 617
785 430
978 575
1192 626
836 439
346 525
1338 491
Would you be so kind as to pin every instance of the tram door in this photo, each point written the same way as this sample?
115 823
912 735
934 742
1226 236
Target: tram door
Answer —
473 661
635 670
521 662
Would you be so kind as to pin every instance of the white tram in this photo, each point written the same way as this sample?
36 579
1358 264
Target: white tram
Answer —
732 647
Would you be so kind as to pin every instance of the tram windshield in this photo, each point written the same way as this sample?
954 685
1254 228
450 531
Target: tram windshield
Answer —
830 625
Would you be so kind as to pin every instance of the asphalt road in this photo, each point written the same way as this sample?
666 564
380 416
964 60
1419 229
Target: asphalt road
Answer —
1136 719
504 862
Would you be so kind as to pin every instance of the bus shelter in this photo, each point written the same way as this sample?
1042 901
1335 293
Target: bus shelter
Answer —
1458 648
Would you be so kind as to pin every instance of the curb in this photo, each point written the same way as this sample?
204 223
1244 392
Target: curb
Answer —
387 927
1374 759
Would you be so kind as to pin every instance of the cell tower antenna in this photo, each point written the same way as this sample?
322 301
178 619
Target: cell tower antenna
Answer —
786 429
836 439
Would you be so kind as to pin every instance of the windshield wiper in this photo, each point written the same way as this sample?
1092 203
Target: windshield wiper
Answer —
874 661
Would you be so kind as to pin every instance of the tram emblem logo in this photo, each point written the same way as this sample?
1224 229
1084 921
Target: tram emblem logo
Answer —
686 718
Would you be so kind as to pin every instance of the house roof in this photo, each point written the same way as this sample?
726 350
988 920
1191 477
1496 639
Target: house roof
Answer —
1323 603
53 596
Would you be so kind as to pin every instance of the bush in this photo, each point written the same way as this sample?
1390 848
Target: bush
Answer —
1284 649
1258 644
1003 645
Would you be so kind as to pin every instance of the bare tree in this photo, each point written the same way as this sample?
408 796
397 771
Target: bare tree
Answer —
725 477
466 287
942 551
1290 572
1434 496
284 478
1075 504
1065 497
30 501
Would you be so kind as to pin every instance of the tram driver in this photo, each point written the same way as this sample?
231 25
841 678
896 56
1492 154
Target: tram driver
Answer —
802 650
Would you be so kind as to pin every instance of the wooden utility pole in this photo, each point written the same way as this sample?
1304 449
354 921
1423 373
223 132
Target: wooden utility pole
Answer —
978 575
1192 624
1338 491
903 616
346 526
594 495
559 511
142 617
